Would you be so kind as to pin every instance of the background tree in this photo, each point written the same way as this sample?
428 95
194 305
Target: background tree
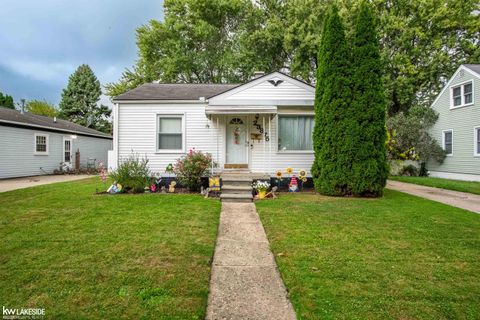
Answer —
6 101
409 137
332 138
80 98
422 43
197 43
42 108
370 170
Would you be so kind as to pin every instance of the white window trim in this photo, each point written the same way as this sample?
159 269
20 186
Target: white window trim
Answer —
476 153
71 149
184 135
443 141
47 141
462 95
287 114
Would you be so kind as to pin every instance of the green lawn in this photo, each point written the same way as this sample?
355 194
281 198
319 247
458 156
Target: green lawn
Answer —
456 185
398 257
80 255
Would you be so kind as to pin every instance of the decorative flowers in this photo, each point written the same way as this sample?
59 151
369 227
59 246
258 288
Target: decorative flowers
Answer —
302 174
261 185
289 170
278 174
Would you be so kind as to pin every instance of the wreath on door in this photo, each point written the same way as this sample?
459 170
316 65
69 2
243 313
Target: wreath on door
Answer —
236 135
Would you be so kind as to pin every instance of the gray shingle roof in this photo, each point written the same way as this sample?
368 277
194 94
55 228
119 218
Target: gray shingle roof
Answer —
174 91
473 67
27 119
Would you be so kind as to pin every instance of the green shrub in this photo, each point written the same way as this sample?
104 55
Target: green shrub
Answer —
191 167
133 174
409 170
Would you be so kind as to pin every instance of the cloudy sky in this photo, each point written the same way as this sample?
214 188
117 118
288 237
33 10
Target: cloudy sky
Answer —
43 42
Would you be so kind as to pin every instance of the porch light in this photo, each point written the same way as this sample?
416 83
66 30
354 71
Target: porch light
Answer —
73 136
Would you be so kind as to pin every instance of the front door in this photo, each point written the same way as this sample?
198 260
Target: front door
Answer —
67 152
237 145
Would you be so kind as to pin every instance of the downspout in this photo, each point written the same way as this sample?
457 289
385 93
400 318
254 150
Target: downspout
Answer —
116 114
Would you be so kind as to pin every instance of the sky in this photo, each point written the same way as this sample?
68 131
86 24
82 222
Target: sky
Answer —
43 42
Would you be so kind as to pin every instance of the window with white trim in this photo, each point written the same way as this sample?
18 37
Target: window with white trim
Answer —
448 142
295 132
476 141
170 133
462 95
41 143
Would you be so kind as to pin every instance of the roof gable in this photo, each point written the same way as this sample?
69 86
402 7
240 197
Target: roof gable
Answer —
272 89
470 68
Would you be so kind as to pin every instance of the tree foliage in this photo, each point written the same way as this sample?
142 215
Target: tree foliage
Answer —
80 98
332 138
6 101
422 43
409 137
370 170
42 108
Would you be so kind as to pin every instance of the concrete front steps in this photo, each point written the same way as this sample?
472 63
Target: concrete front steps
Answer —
236 188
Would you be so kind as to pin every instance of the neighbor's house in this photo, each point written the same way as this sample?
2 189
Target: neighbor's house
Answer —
261 126
458 125
35 145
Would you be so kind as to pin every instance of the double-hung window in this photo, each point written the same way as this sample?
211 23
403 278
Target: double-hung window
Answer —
170 133
41 144
476 140
448 142
295 132
462 95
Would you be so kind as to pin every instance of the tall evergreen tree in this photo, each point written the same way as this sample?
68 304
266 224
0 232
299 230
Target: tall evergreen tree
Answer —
80 101
333 143
6 101
370 168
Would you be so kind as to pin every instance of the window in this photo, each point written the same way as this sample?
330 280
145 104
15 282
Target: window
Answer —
67 150
462 95
448 142
170 133
476 140
295 133
41 143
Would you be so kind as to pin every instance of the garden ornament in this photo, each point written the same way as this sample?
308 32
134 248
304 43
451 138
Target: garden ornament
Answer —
171 187
163 189
272 193
293 186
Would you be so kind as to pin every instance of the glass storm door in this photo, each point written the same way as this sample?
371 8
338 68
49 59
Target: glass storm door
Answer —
237 141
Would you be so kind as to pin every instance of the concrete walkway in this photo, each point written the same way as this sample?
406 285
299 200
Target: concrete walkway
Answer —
26 182
245 282
462 200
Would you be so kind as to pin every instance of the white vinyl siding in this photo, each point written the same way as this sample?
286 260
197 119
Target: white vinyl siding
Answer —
448 142
461 121
295 132
18 160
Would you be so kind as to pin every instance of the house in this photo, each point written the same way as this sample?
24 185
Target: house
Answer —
35 145
458 125
260 126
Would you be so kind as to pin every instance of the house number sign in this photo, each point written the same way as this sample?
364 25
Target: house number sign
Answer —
260 128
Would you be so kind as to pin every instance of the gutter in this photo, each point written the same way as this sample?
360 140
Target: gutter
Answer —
53 129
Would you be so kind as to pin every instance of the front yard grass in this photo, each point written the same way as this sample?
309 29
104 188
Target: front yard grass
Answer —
397 257
80 255
456 185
